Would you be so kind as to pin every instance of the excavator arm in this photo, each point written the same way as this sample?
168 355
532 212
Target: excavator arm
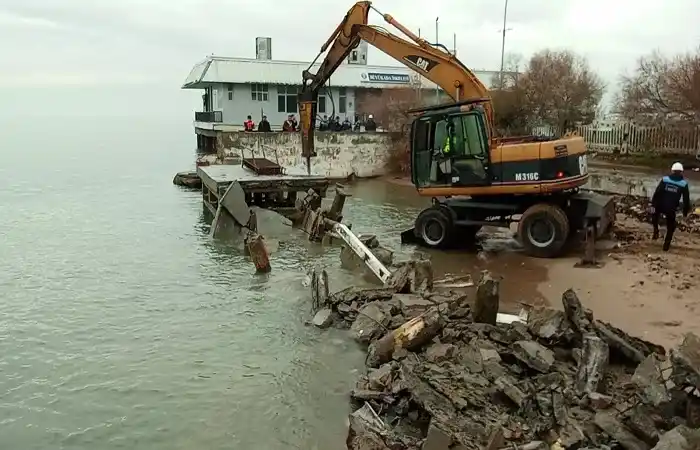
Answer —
434 62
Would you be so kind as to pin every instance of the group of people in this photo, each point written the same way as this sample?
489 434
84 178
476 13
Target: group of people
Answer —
290 124
334 124
326 124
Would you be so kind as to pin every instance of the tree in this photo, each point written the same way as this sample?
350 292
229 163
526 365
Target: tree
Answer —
510 115
559 90
662 90
390 110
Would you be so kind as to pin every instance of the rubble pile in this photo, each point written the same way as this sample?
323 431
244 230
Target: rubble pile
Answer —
638 208
443 373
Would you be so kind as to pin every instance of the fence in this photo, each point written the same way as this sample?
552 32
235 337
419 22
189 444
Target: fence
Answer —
625 137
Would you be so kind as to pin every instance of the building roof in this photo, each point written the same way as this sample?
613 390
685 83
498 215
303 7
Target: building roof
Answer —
217 69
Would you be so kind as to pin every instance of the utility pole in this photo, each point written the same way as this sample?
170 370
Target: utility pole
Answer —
503 40
437 41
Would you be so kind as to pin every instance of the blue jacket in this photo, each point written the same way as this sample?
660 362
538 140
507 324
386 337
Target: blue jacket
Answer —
669 192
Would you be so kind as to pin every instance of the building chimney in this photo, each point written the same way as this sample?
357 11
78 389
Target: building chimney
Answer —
263 48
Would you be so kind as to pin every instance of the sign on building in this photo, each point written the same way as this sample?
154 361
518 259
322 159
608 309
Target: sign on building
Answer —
395 78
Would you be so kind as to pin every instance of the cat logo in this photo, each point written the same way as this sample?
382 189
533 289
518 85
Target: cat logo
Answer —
424 64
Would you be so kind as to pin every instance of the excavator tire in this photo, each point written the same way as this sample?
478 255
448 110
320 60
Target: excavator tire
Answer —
543 230
435 227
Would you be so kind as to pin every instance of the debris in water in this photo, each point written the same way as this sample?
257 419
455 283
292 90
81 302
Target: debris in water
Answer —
438 379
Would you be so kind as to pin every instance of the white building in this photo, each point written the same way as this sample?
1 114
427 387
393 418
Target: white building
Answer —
234 88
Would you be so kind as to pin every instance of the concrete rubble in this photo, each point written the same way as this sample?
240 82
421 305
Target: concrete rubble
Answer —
638 208
438 379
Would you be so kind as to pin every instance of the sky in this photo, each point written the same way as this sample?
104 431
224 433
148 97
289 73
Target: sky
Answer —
71 55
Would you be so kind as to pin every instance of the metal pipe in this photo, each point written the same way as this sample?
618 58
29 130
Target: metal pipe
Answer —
503 40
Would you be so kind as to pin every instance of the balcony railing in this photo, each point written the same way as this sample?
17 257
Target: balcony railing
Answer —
208 116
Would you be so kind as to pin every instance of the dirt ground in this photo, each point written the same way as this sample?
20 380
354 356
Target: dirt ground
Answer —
641 289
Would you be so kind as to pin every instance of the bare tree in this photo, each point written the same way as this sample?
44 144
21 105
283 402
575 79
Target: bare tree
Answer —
560 90
390 110
662 90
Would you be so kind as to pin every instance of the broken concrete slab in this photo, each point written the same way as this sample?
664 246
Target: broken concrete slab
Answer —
323 318
436 439
599 401
549 324
650 380
685 359
414 276
487 299
616 430
534 355
413 305
679 438
370 323
592 365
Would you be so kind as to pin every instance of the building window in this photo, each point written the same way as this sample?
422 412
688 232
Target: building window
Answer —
342 101
230 92
287 99
258 92
321 104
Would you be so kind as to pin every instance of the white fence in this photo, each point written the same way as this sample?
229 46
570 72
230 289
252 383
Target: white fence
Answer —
608 137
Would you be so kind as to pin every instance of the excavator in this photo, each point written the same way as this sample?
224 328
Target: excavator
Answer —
473 177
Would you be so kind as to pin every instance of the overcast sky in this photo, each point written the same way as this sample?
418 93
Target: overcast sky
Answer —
102 44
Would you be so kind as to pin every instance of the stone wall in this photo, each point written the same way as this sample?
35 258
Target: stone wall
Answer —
339 155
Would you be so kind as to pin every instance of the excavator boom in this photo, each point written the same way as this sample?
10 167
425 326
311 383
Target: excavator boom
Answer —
434 62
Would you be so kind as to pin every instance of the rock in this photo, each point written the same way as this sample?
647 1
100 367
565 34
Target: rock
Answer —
380 379
370 323
436 439
571 436
533 355
440 352
489 355
412 277
679 438
579 317
369 240
412 305
599 401
548 324
625 346
189 180
510 390
619 432
487 299
349 259
323 318
649 379
686 361
592 365
507 334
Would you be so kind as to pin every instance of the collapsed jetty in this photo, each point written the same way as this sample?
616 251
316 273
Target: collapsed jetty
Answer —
445 372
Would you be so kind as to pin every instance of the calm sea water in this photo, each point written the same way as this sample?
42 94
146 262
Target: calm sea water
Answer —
122 325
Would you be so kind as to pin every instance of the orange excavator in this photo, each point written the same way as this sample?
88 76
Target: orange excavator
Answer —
473 177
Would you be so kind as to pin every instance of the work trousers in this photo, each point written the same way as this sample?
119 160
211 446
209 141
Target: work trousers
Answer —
670 226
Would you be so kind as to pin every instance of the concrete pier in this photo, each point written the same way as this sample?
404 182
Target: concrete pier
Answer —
265 191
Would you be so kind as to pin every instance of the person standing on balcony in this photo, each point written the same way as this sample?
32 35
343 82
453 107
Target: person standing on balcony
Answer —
249 125
666 199
264 125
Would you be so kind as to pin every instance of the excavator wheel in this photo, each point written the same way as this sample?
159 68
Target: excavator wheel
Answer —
543 230
435 227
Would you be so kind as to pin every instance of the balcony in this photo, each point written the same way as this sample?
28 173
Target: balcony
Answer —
208 116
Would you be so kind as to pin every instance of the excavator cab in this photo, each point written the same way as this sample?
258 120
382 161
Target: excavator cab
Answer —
450 148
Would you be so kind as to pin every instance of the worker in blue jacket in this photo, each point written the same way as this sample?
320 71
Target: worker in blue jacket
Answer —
666 199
